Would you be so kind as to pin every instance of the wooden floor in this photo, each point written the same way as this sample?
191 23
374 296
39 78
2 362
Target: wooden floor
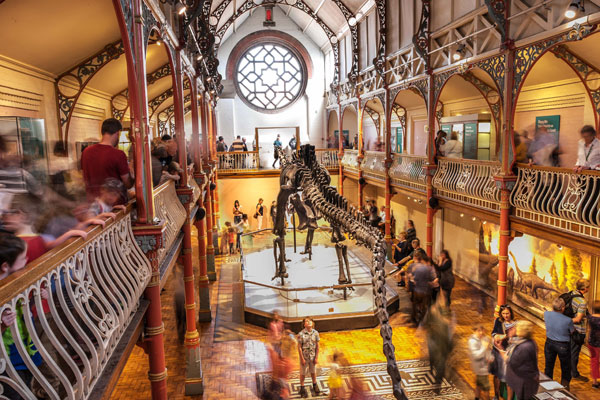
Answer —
229 366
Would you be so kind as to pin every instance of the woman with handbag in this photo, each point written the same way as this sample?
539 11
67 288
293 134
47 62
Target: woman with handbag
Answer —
260 209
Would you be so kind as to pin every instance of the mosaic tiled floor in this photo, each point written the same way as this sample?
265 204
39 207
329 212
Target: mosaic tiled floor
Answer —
417 381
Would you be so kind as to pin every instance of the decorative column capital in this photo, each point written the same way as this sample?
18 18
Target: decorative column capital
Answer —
186 197
150 238
505 182
429 169
200 178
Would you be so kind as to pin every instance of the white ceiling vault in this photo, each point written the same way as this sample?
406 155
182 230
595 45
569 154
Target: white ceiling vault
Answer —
326 10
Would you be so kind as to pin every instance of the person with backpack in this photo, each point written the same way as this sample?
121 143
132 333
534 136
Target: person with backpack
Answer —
576 309
559 328
594 344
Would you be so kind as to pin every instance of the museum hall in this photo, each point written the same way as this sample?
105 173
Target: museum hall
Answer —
289 199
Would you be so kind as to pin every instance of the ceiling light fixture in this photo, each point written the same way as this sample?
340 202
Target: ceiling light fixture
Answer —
352 21
180 8
199 58
460 52
575 7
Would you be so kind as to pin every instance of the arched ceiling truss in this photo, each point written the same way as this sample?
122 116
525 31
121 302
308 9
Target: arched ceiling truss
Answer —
69 85
219 31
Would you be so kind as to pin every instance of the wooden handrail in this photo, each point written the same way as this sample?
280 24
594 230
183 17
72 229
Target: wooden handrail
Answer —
469 161
558 169
236 152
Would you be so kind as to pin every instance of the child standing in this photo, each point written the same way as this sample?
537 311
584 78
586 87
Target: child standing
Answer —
13 257
225 237
232 233
112 195
335 378
480 349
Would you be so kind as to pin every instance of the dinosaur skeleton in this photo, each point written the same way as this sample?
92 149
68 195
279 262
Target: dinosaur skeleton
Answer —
319 199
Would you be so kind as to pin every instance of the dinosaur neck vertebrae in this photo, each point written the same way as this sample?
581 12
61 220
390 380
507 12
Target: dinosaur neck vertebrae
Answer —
314 182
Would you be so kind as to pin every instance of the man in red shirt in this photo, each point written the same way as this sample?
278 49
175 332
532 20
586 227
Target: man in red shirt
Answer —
103 160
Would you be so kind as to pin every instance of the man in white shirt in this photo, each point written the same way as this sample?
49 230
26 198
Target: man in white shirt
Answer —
588 154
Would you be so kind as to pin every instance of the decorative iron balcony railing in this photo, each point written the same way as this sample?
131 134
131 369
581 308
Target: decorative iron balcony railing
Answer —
238 161
373 165
407 171
75 305
468 181
327 157
168 208
559 198
350 160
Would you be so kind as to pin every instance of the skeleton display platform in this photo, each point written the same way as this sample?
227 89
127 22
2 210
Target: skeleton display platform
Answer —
308 290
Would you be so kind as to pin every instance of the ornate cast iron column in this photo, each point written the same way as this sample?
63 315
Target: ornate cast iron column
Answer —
340 146
148 232
193 376
361 151
388 164
500 10
210 250
204 313
208 170
422 42
431 166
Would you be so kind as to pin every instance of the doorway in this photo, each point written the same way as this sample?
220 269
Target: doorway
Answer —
267 136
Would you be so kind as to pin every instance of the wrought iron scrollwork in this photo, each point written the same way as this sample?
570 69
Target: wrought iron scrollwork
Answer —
380 60
584 70
491 96
527 56
71 84
421 39
497 10
495 67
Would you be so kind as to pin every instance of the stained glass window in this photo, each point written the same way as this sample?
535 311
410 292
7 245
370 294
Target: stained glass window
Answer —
269 77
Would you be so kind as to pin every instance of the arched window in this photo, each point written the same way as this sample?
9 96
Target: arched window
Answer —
270 77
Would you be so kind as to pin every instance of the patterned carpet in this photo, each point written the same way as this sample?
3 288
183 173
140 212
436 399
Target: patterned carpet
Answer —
417 380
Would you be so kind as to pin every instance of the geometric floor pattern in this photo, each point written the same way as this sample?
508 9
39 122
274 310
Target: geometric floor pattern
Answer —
417 381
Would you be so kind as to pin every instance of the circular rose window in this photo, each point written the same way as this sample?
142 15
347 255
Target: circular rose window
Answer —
270 77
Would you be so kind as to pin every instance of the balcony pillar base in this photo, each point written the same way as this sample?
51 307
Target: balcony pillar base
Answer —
210 267
194 382
204 310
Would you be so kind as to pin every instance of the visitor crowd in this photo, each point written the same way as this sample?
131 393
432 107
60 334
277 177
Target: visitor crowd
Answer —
37 216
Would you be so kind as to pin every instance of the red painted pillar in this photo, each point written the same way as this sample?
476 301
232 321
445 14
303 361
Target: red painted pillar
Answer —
145 230
387 107
204 312
154 339
340 148
210 250
506 180
430 167
361 152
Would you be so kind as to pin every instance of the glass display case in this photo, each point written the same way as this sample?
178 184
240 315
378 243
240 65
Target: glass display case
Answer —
26 140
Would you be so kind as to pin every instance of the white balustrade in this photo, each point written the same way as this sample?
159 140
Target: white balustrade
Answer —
168 208
373 165
407 171
238 161
327 157
558 197
350 159
85 295
468 181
